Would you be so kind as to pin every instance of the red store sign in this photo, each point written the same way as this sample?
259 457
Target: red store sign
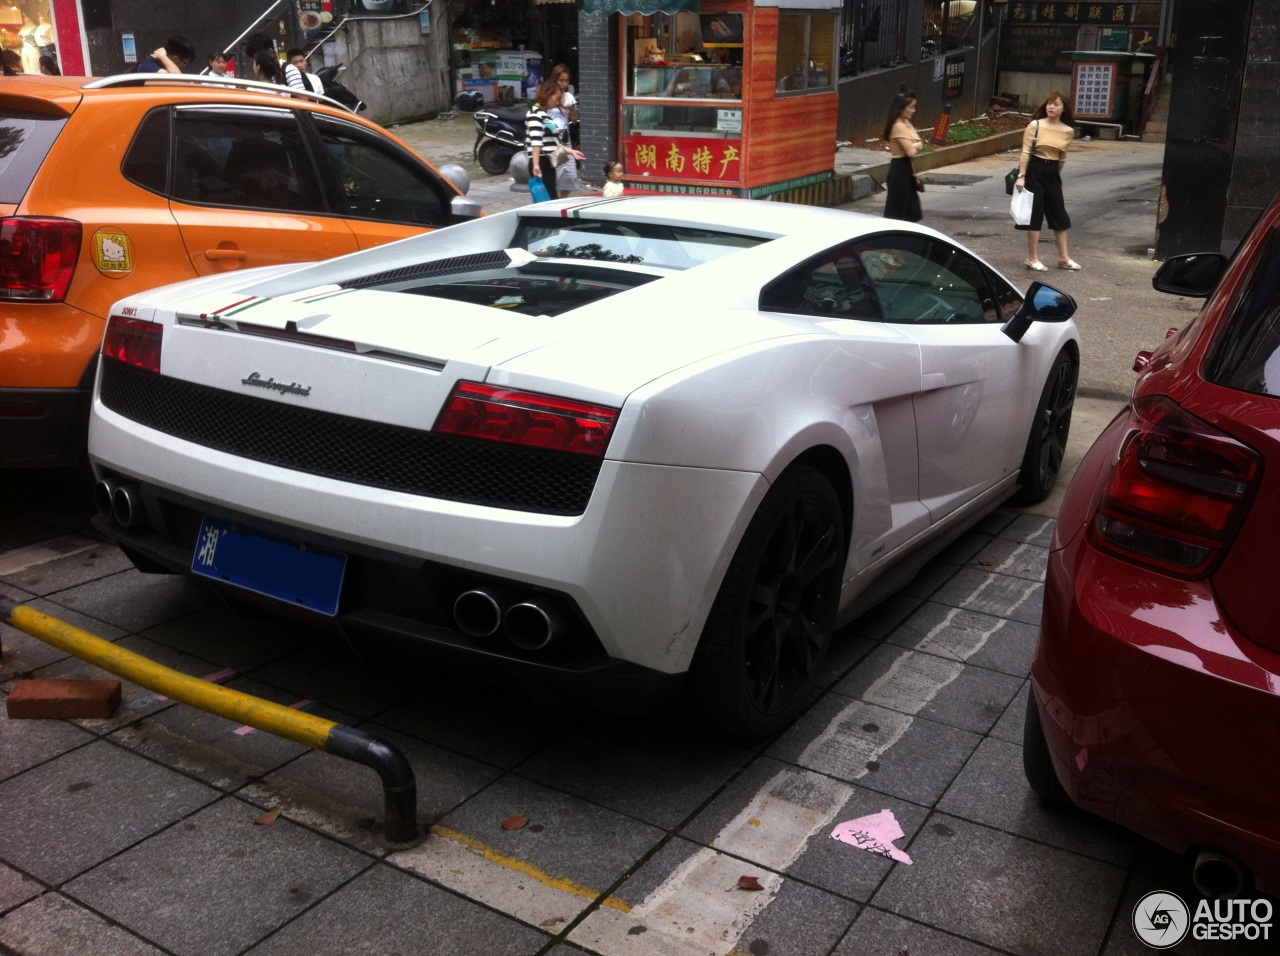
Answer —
684 157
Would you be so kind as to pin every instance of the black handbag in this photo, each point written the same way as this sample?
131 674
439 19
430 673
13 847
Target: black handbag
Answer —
1011 177
919 184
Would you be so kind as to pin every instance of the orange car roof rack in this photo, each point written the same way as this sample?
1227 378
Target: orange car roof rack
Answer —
200 79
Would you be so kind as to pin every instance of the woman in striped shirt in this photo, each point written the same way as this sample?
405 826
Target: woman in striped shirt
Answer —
541 135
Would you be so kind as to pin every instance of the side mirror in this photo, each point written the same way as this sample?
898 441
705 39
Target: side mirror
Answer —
462 208
1043 303
1193 276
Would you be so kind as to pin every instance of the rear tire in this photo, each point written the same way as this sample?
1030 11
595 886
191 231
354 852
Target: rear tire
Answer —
494 158
1047 443
769 629
1036 762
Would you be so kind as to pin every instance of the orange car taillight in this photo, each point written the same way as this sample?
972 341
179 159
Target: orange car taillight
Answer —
37 258
1176 492
135 341
526 418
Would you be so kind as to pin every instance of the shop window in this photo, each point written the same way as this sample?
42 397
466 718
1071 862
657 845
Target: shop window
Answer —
949 25
684 56
806 52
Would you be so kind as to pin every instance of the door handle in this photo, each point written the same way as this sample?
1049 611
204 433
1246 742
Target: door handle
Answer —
219 255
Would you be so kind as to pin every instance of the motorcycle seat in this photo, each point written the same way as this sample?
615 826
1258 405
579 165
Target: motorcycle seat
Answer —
513 116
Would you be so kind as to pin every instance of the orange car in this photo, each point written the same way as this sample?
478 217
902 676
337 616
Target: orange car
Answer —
109 186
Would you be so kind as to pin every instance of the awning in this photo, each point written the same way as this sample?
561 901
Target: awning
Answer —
641 6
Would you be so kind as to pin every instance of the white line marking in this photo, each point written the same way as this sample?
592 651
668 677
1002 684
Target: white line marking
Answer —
912 681
949 639
698 910
857 735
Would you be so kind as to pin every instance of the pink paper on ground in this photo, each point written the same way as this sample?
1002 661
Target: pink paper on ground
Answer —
875 834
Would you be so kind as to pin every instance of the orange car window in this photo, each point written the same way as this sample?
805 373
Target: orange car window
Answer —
379 185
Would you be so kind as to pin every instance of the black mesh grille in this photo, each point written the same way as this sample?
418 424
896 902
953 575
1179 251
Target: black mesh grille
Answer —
350 449
441 267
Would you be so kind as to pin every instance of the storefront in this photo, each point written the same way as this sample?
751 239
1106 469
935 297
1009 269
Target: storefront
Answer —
43 28
735 98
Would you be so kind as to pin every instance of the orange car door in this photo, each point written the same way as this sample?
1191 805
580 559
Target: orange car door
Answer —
389 192
246 191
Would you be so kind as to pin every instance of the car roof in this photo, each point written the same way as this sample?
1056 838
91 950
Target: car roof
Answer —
63 94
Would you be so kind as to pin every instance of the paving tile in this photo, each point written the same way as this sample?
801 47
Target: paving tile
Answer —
877 933
848 650
1030 529
1000 595
1004 891
884 750
1016 558
656 771
66 815
54 926
330 673
549 870
133 601
1010 725
941 689
345 799
215 749
48 577
964 548
355 920
219 635
996 643
995 522
992 790
16 888
25 743
260 875
773 794
487 723
685 899
930 578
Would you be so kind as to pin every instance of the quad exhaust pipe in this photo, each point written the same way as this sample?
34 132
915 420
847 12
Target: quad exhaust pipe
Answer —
119 500
530 625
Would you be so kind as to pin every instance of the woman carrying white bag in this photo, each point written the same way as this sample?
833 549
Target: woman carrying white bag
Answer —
1044 151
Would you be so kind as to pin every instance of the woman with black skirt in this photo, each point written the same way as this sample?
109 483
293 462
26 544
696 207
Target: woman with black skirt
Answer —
1044 151
902 201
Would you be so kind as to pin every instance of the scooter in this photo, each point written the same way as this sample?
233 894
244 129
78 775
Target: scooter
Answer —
336 91
499 131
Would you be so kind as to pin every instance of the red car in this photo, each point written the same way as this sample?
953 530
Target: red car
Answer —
1156 686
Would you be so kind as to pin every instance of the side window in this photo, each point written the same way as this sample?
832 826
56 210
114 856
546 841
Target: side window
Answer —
379 184
923 280
147 161
261 162
833 284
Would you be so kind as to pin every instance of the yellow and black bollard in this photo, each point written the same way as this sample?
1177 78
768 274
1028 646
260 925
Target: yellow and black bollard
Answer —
398 785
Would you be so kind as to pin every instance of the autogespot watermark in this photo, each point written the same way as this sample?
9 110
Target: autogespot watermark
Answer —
1162 920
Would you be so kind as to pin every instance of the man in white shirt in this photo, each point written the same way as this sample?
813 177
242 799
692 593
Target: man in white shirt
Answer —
298 59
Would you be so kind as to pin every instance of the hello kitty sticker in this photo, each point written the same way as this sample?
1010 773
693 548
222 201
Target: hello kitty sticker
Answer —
112 253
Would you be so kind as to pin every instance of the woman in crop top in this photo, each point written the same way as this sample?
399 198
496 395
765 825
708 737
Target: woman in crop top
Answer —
901 200
1044 151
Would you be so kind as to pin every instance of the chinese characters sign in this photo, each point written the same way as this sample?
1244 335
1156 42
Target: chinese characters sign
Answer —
1094 83
1095 13
954 73
684 157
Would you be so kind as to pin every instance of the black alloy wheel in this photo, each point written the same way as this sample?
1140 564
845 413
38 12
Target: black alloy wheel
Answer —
768 632
1047 443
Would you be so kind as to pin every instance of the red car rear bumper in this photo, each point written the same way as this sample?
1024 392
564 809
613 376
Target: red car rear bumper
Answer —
1157 714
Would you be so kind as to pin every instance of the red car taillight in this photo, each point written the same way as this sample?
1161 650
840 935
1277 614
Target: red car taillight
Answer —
1177 490
135 341
37 258
526 418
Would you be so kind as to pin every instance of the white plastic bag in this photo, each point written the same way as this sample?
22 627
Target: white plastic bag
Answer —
1020 206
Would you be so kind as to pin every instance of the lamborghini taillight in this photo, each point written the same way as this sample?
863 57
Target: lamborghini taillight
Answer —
494 413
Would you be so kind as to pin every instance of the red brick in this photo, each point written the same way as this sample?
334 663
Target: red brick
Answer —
63 698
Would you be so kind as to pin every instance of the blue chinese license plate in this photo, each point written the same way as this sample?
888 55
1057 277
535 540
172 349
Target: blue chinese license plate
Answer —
299 574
